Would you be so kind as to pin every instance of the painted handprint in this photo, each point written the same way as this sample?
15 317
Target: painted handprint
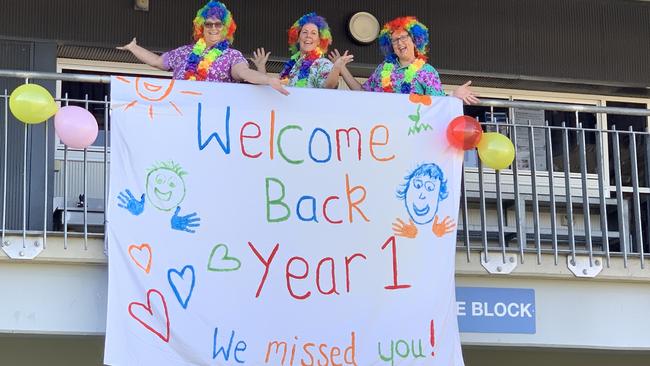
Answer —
185 223
130 203
403 229
442 228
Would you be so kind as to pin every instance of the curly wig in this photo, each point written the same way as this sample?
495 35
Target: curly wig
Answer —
418 32
323 32
215 9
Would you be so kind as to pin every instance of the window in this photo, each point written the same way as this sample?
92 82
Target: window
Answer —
539 138
624 123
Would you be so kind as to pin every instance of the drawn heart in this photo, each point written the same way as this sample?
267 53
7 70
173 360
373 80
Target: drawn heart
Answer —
223 263
182 286
144 314
141 255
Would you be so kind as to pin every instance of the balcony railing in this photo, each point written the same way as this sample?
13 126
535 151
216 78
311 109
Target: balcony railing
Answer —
578 188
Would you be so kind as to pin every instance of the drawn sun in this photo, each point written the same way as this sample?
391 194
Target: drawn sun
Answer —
153 91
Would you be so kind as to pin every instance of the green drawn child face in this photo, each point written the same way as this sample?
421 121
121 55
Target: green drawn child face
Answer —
165 188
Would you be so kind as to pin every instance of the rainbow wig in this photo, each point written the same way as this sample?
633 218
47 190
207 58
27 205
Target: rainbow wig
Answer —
215 9
323 32
418 32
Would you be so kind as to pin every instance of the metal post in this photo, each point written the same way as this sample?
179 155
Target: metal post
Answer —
635 194
551 187
601 189
533 180
586 211
567 184
622 225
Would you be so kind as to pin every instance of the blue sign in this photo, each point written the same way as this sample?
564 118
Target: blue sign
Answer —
495 310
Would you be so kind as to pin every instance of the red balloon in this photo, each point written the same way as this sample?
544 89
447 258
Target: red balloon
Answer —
464 132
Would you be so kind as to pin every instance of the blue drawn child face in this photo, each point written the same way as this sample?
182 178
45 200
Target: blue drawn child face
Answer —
422 197
165 188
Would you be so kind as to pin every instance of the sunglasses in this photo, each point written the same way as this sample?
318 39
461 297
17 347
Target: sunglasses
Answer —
209 25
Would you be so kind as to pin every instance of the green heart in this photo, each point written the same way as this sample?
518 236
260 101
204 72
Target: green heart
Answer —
226 263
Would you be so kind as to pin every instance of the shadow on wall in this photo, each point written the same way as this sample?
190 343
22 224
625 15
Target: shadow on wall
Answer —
32 350
515 356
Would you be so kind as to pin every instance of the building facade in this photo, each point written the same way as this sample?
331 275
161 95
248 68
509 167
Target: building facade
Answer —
568 81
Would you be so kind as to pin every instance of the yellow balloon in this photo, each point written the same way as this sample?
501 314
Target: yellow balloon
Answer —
496 150
31 103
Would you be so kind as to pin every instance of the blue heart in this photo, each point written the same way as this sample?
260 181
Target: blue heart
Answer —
180 276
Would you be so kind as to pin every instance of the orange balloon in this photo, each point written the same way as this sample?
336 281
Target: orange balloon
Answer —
464 132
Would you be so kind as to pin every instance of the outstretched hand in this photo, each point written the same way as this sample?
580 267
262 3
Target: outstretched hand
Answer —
445 227
130 203
128 46
278 85
185 223
465 93
260 57
406 230
339 60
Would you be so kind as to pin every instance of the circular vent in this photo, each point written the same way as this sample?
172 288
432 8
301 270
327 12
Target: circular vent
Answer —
363 27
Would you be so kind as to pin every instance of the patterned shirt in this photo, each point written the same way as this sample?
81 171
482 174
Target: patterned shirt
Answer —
318 73
220 70
425 82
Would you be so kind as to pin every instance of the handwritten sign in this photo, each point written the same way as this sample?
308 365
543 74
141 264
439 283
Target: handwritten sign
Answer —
246 227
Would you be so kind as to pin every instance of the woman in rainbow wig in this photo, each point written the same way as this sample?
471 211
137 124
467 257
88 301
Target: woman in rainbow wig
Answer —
404 43
209 57
309 38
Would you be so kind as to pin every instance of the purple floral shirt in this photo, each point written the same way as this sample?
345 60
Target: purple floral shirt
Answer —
425 82
176 60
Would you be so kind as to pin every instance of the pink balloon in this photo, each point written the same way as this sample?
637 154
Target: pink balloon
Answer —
76 127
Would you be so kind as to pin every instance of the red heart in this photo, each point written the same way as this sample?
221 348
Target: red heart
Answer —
149 310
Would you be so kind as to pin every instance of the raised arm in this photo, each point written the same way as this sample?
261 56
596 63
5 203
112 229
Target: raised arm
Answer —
241 71
143 54
340 68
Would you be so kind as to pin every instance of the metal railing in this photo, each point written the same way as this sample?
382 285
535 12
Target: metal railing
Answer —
575 188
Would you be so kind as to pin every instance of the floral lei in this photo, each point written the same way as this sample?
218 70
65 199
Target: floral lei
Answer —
198 64
303 73
409 75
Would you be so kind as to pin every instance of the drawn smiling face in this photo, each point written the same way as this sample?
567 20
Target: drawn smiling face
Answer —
422 197
165 188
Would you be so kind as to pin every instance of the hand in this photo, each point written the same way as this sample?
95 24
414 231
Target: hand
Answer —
340 60
406 230
445 227
278 85
184 223
128 46
260 57
129 202
465 93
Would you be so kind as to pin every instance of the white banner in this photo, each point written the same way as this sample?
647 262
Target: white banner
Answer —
247 227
